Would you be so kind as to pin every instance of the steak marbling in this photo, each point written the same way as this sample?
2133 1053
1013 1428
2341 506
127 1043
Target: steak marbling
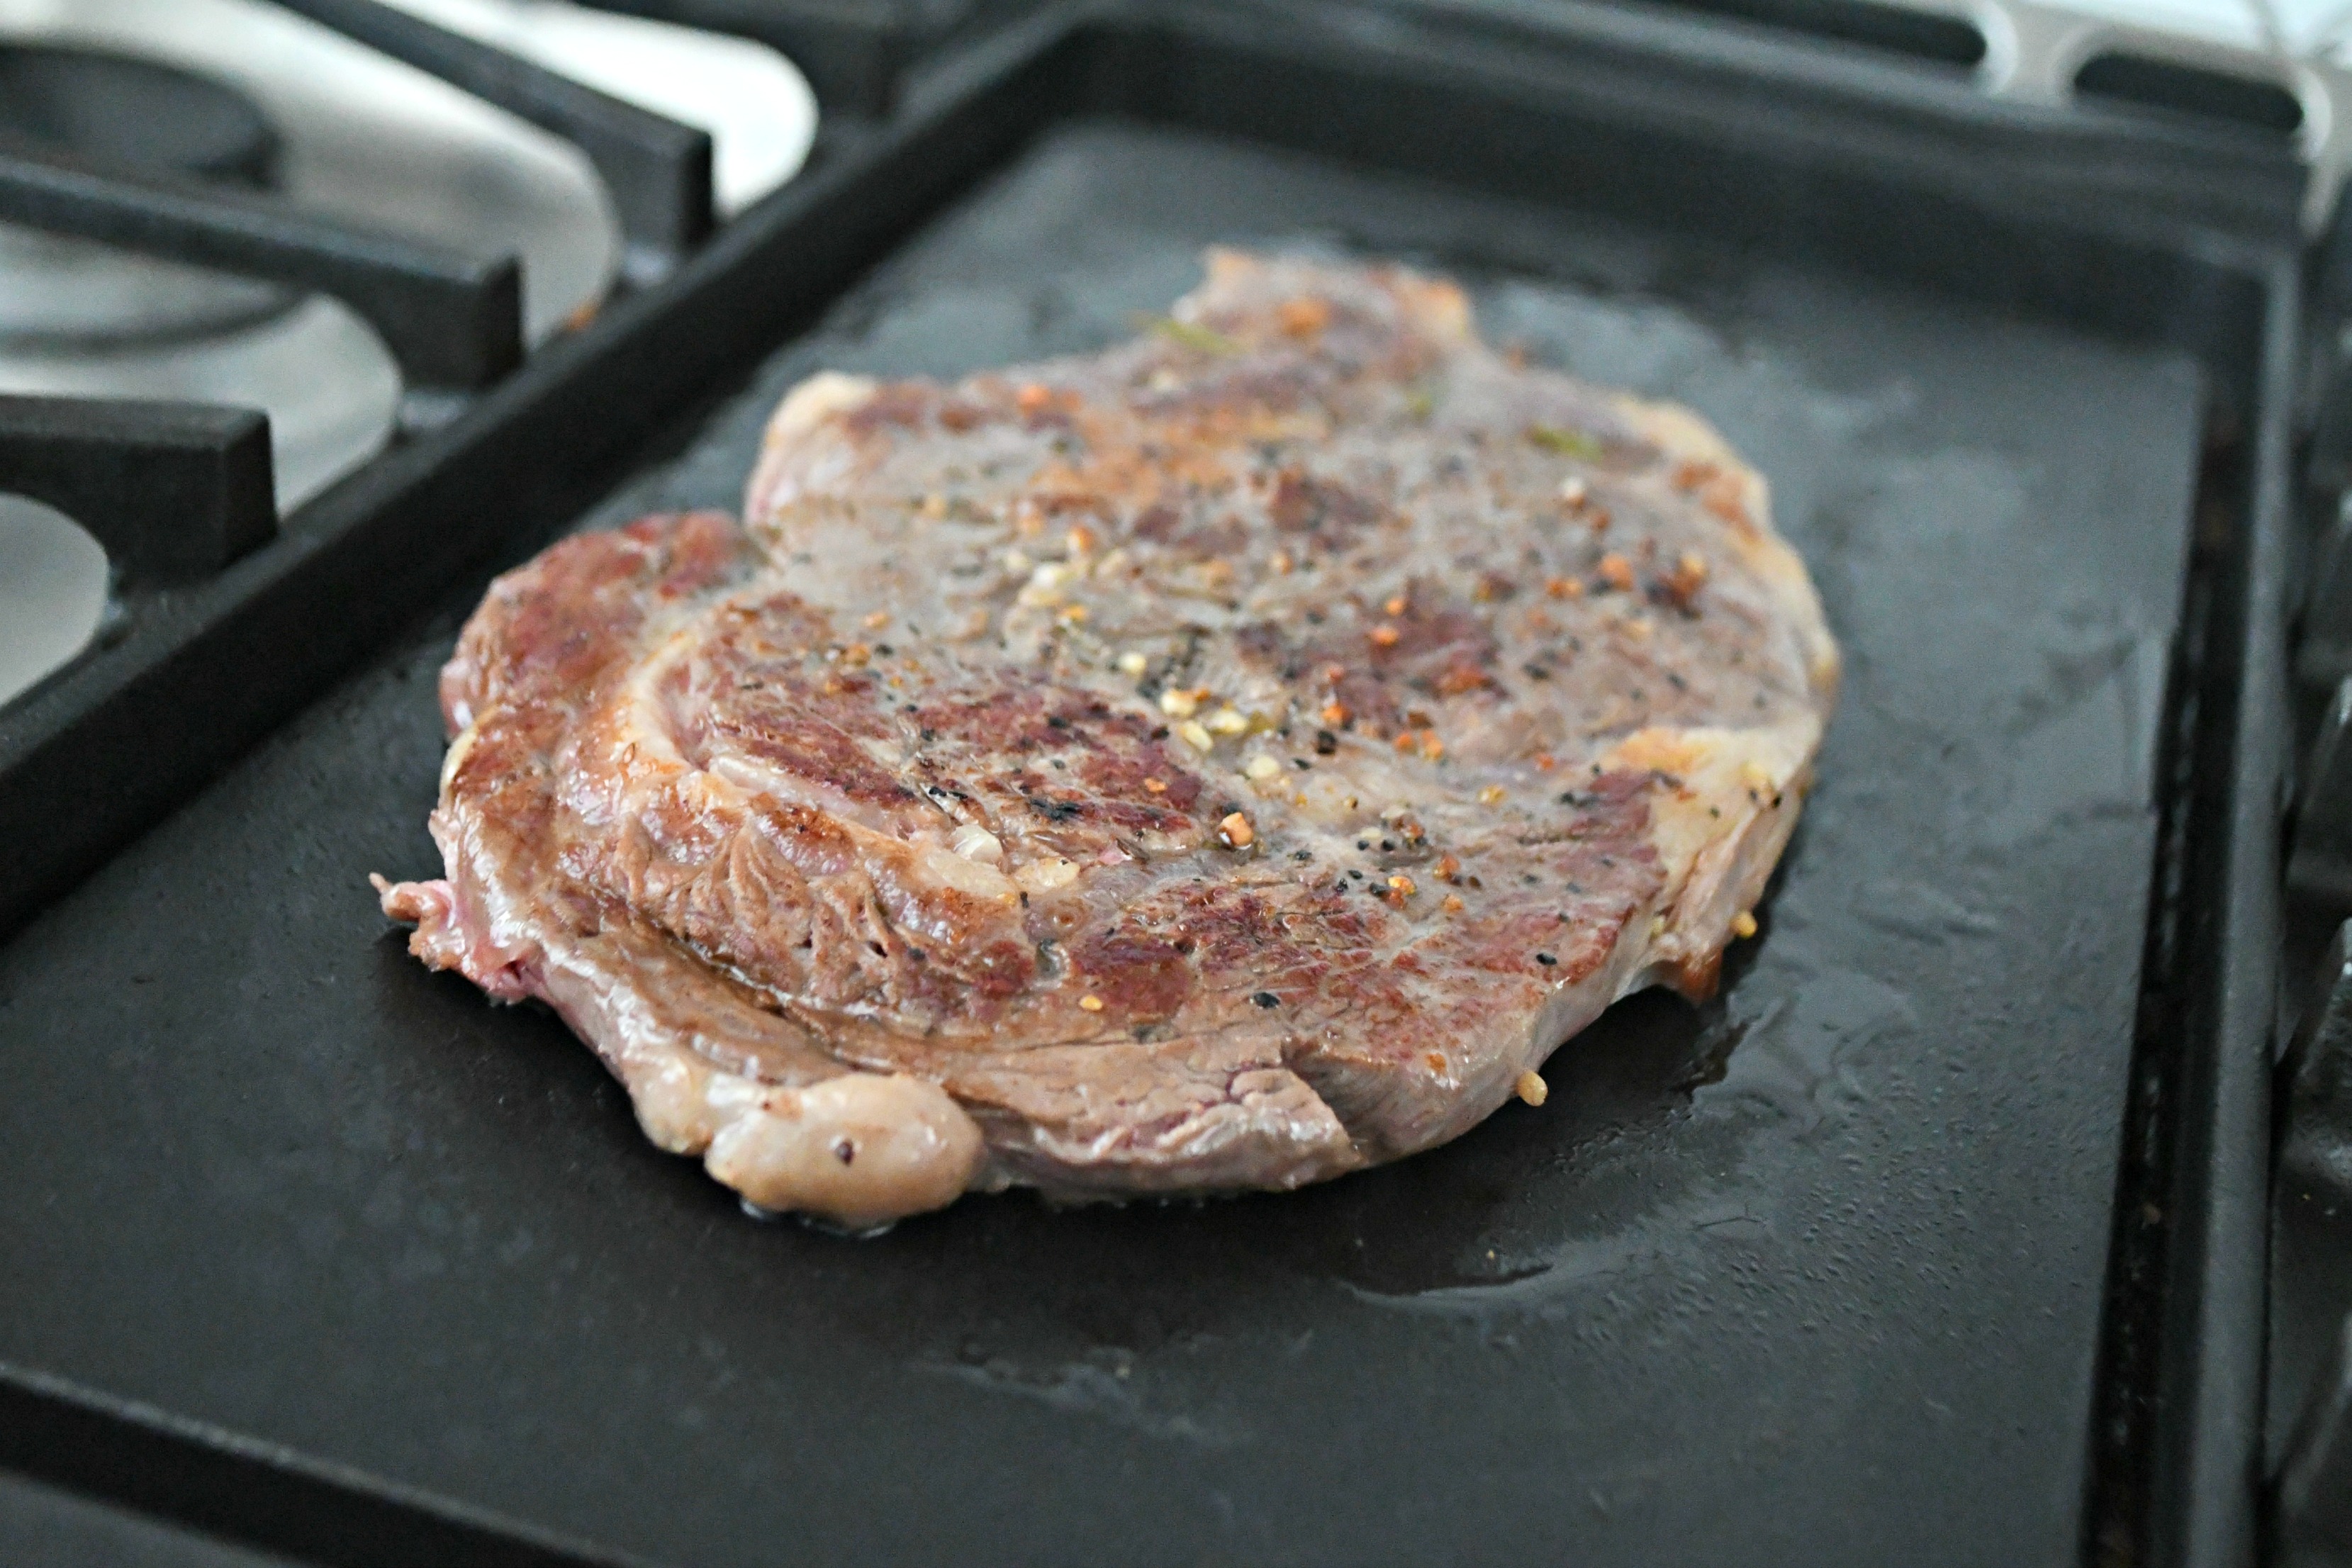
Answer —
1224 761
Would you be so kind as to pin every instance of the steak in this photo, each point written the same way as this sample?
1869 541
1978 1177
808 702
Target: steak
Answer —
1223 761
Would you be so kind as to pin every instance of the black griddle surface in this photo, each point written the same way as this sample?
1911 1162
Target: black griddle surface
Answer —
42 1527
1812 1273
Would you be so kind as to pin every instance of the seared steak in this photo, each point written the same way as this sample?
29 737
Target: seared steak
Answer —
1224 761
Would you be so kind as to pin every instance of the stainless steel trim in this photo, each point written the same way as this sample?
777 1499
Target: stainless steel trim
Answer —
2033 52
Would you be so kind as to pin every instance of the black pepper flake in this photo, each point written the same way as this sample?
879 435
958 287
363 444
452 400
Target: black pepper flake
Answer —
1546 959
1676 682
1056 721
1536 672
1302 764
1302 855
1267 999
1356 874
1363 844
1326 743
1388 843
885 649
1161 733
844 1151
917 954
1570 797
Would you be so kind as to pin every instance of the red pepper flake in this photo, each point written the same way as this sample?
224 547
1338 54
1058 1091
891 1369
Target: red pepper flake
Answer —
1725 498
1680 586
1032 398
1689 476
1617 571
1302 318
1385 636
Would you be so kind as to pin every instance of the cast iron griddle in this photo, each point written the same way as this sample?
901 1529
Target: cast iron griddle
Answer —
1810 1274
41 1525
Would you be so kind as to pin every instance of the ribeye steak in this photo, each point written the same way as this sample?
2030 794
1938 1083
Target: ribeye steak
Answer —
1224 761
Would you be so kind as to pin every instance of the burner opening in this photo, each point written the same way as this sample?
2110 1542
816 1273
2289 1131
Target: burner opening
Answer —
53 591
66 299
136 112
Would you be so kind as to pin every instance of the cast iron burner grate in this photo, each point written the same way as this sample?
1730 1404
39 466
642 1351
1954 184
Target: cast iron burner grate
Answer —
134 111
453 320
177 175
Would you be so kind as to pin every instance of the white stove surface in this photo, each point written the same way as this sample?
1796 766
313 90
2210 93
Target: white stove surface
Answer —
2310 27
756 105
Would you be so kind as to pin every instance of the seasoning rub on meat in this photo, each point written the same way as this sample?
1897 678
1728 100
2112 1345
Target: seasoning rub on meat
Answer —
1224 761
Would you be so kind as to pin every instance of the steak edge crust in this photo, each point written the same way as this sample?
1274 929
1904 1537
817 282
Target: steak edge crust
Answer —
1222 761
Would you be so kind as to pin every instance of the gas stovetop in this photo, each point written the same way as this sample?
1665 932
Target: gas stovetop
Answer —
239 115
